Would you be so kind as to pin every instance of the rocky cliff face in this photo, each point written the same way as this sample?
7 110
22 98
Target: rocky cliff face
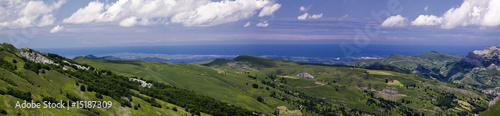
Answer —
485 58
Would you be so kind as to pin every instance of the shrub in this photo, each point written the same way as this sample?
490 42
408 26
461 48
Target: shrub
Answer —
3 112
82 88
255 86
260 99
98 95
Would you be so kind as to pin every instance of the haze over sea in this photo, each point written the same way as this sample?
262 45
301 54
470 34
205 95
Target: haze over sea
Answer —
297 50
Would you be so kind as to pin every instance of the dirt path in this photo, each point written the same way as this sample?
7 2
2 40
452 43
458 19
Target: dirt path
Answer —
147 68
317 85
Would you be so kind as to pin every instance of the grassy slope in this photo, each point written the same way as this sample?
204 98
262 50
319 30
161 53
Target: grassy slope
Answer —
492 111
335 84
202 80
57 85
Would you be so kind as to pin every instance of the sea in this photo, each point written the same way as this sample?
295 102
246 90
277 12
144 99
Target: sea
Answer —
297 50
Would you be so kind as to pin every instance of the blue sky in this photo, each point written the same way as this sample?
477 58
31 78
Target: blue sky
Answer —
82 23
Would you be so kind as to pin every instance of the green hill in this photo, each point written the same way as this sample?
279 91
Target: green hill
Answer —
26 74
429 64
272 86
474 69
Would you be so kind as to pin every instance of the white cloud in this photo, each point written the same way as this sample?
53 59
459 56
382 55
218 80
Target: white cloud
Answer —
24 13
492 16
304 9
185 12
47 20
128 22
85 15
426 8
427 20
246 25
303 17
395 21
316 16
470 12
263 24
57 29
269 10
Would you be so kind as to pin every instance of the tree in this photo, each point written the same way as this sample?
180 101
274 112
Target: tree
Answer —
260 99
255 85
14 61
82 88
386 81
175 109
3 112
98 95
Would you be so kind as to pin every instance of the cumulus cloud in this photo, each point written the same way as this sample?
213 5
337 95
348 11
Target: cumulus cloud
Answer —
395 21
303 17
427 20
484 13
263 24
24 13
316 16
56 29
185 12
128 22
85 15
269 10
246 25
492 16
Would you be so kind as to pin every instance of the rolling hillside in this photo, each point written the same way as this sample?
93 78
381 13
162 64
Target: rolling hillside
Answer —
478 68
273 87
26 74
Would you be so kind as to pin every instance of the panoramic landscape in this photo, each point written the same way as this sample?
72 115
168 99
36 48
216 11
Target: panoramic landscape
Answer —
250 57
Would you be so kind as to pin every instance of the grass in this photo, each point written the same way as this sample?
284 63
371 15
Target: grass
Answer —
285 111
395 82
346 86
57 85
492 111
202 80
379 72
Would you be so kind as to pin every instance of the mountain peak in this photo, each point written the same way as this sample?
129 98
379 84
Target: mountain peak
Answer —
490 55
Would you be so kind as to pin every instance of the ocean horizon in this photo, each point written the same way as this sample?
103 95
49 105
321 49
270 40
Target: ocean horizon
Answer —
295 50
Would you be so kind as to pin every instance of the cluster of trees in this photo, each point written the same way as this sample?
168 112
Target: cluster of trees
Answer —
19 94
446 101
193 102
7 65
9 81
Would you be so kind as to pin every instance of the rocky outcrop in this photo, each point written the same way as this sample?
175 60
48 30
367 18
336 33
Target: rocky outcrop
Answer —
36 57
306 75
143 83
39 58
491 92
78 66
485 57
